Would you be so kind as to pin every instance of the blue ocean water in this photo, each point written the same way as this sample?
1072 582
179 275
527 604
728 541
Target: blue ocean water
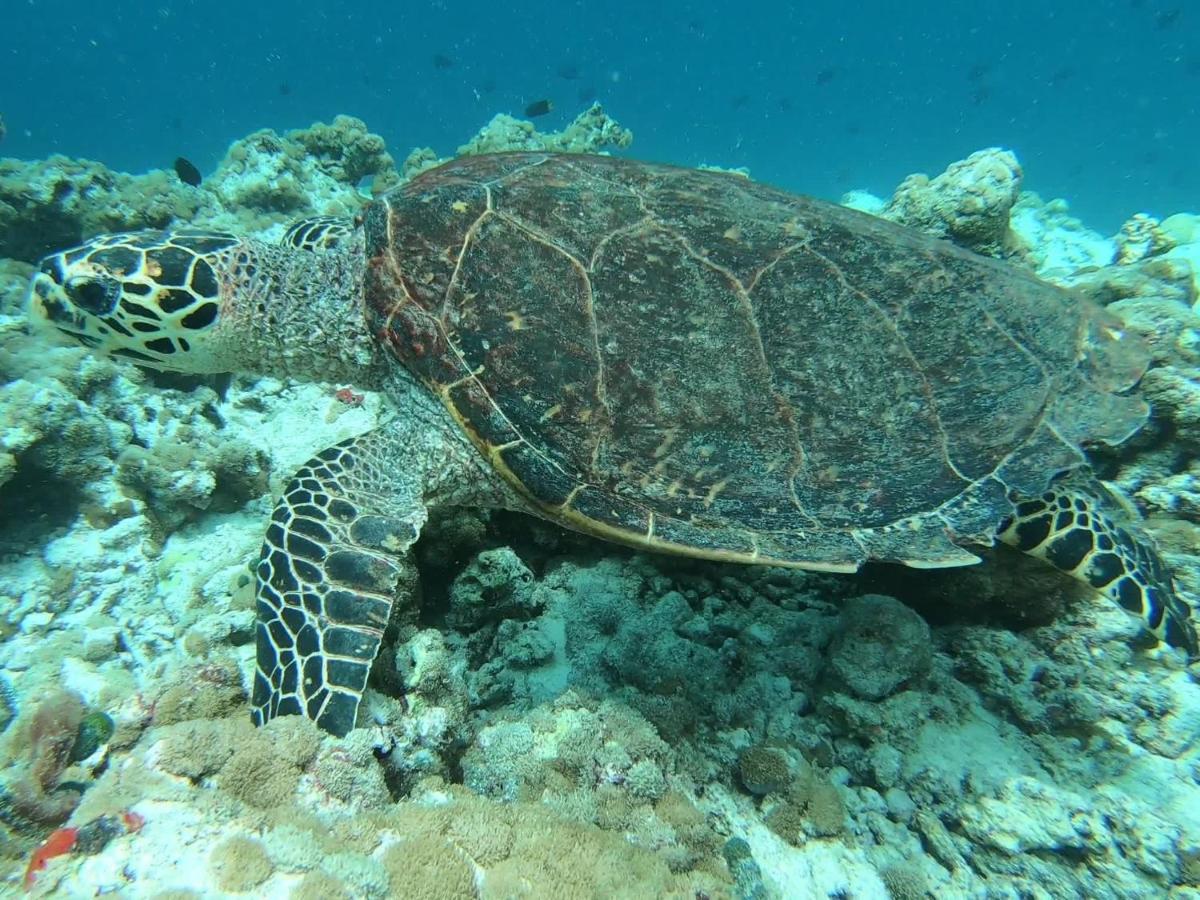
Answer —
1098 99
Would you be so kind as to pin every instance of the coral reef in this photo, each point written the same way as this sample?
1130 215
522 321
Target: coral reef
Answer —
564 718
592 131
268 178
39 748
57 202
970 203
1140 238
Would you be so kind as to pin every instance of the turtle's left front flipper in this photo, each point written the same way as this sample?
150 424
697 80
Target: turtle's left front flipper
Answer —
1078 526
334 560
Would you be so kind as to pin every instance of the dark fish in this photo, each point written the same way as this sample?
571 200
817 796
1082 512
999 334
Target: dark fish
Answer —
825 76
284 89
187 172
569 72
1167 19
442 61
538 108
979 71
1061 76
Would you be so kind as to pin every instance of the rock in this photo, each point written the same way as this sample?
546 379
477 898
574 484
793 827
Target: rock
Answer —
1029 816
268 178
1140 238
58 202
1168 276
883 646
969 203
495 585
590 132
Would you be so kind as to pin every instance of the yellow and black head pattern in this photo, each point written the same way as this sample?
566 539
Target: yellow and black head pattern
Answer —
154 297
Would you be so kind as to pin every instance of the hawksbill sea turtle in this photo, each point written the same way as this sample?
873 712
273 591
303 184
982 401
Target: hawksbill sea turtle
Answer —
677 360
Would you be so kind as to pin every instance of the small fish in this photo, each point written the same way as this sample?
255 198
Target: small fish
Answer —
981 95
825 76
3 130
60 842
1061 76
442 61
538 108
284 89
187 172
568 71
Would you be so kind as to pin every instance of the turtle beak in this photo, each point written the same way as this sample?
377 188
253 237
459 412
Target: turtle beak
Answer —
47 300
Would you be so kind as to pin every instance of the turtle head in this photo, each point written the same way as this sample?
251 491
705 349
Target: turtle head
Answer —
154 297
202 302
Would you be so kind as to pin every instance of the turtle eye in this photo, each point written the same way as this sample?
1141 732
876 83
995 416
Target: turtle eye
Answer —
95 295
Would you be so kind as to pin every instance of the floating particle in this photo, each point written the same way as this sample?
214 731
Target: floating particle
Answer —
187 172
538 108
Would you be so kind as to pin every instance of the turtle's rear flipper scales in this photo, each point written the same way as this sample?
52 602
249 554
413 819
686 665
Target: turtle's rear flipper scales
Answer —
1079 527
334 558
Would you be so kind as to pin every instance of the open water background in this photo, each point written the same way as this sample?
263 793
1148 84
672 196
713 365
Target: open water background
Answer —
1099 99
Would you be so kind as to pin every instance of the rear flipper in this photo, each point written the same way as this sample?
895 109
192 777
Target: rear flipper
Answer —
334 559
1078 526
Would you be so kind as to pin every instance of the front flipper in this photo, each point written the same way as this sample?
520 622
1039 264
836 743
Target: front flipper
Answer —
335 555
1079 527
